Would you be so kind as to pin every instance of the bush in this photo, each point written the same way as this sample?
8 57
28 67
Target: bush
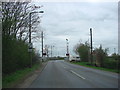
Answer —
14 55
35 57
83 50
110 63
100 55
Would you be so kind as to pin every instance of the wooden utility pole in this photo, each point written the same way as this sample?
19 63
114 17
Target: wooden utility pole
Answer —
91 58
30 44
42 42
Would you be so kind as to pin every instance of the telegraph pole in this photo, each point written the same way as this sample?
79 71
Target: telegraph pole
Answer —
30 28
91 46
30 44
42 42
51 51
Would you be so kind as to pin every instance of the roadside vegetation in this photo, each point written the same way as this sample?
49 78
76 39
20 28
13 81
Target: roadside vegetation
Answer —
14 78
87 64
100 60
16 60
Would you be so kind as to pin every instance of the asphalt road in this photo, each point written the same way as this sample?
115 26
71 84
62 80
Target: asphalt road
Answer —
61 74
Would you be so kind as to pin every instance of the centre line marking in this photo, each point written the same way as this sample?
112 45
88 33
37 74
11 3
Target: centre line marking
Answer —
77 74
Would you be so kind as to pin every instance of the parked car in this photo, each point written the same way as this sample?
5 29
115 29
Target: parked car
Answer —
74 58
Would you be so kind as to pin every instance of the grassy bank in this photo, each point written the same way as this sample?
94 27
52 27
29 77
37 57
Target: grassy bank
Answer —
12 79
86 64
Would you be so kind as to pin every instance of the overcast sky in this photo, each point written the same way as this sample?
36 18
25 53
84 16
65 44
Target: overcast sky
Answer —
72 20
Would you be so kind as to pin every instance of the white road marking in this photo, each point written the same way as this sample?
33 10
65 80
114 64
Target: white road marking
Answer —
77 74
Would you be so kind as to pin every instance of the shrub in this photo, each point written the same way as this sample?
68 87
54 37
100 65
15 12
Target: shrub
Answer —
83 50
14 55
110 63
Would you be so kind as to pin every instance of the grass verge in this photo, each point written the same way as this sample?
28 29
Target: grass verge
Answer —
100 68
12 79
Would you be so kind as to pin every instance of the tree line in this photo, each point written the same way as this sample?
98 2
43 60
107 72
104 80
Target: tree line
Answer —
100 56
15 32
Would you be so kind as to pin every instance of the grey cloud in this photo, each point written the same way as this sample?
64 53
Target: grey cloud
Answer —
73 20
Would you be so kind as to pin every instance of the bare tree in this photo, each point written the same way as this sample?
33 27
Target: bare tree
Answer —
15 19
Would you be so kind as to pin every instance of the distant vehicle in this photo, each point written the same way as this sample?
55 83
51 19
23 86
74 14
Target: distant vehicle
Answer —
74 58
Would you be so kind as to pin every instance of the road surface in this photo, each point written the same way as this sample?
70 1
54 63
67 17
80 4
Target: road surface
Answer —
61 74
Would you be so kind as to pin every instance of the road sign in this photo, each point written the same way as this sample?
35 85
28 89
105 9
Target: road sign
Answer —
67 54
44 53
